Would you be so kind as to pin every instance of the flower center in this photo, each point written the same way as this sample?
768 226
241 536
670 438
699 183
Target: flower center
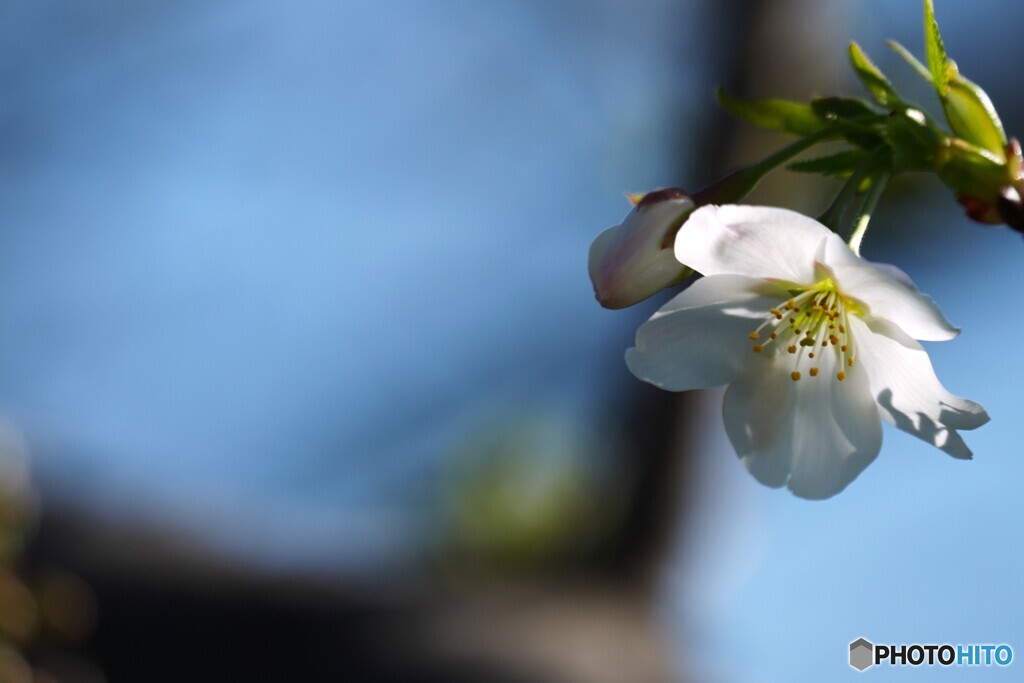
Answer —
812 323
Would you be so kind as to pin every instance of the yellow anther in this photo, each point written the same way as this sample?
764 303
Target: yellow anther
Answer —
824 344
811 354
814 371
775 311
758 348
791 304
793 320
797 331
791 349
842 329
773 335
834 339
843 348
849 361
841 376
795 375
754 335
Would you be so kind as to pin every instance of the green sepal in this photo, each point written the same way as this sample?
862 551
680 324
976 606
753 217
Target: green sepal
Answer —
872 78
787 116
971 171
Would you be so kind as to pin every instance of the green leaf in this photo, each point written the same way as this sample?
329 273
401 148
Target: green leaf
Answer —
839 164
873 79
935 50
910 59
775 114
846 108
913 139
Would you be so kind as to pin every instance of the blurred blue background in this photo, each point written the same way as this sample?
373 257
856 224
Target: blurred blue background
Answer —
268 271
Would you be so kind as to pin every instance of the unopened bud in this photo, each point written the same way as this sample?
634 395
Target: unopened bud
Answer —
636 259
972 115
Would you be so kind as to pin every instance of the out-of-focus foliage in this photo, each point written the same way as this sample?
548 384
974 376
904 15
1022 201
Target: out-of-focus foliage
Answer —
529 491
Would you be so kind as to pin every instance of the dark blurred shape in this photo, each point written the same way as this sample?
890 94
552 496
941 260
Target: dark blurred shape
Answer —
174 612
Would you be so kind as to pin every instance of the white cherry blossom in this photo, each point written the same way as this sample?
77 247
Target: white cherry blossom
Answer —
815 344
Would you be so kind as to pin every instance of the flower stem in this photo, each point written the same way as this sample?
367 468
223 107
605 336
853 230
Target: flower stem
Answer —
833 216
878 183
736 185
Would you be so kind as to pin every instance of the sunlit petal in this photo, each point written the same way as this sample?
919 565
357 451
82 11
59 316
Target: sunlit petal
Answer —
756 241
701 337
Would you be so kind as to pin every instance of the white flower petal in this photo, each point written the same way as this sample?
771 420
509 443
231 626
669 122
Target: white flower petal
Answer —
699 338
888 293
816 434
755 241
908 393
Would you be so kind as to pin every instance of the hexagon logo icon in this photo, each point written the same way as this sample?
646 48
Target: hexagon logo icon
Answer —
862 654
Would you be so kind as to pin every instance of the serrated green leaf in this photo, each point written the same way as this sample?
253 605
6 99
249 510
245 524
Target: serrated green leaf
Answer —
938 65
775 114
872 78
910 59
839 164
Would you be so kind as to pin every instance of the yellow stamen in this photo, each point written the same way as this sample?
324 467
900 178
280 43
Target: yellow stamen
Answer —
758 348
814 372
795 375
841 376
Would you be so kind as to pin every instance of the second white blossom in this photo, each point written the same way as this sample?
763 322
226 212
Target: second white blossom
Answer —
815 343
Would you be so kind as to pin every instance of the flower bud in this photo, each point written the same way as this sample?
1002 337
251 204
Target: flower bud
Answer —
636 259
971 114
987 188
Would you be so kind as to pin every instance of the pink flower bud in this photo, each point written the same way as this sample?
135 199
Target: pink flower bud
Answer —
635 260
